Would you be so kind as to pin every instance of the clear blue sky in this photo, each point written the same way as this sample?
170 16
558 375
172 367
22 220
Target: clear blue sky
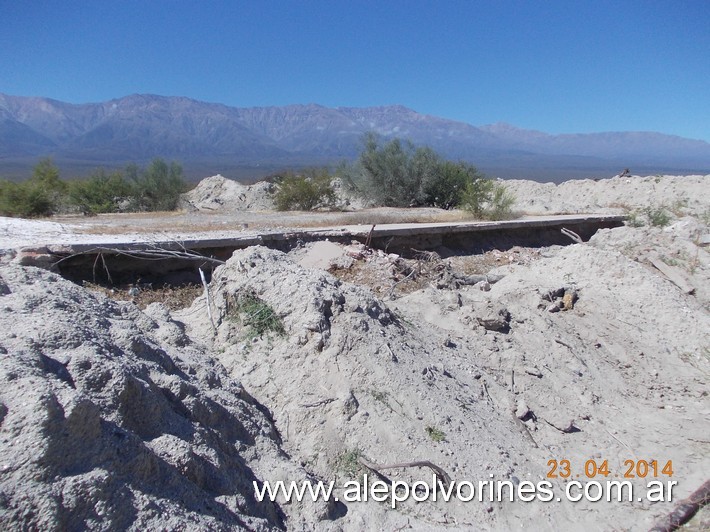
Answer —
553 65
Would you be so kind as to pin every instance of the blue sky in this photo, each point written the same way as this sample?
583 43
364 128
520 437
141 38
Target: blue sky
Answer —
556 66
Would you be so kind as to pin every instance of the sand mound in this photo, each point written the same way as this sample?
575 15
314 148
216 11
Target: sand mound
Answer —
687 194
439 374
111 418
217 193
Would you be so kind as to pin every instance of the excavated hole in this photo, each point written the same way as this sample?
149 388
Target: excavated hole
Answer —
176 281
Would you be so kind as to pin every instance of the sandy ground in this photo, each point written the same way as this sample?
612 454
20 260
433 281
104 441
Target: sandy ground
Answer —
488 366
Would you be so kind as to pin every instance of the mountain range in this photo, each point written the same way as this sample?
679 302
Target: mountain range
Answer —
251 142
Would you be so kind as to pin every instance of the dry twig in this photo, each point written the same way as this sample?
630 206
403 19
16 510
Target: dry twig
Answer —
209 303
443 475
571 234
685 510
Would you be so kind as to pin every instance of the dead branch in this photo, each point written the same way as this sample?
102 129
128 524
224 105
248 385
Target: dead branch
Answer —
450 278
574 236
394 285
685 510
569 429
103 261
487 393
318 403
368 241
564 344
207 295
622 443
152 253
389 349
523 428
443 476
428 256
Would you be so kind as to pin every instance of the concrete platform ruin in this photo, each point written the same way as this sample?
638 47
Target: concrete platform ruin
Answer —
87 256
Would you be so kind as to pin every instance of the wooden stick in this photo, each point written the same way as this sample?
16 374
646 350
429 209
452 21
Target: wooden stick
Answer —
368 241
574 236
207 295
421 463
685 510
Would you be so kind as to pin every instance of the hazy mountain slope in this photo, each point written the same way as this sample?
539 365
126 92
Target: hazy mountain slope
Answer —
654 146
141 127
145 126
21 139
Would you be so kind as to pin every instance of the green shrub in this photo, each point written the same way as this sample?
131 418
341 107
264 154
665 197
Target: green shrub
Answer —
156 188
633 218
46 176
398 174
40 195
27 200
487 199
348 463
501 204
445 186
436 434
392 175
657 216
254 314
101 193
305 192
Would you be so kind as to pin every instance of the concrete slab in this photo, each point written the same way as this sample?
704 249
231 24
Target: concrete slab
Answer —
321 255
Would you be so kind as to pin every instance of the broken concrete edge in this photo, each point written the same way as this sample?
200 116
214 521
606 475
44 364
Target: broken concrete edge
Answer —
326 233
481 226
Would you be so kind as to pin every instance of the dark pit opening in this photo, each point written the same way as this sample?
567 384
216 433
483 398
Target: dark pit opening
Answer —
133 264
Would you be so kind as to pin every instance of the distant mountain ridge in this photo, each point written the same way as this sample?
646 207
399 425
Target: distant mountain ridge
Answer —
212 136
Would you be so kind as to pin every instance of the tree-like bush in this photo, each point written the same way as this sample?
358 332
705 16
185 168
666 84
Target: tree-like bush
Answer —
309 190
41 195
100 193
446 187
157 187
26 200
392 175
398 174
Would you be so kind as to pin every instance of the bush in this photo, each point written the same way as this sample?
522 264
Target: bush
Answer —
46 176
392 175
305 192
27 200
254 314
436 434
40 195
657 216
446 189
501 204
487 199
101 193
156 188
397 174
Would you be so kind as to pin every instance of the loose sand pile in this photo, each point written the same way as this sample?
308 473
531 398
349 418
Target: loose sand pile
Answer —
682 194
115 418
218 193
